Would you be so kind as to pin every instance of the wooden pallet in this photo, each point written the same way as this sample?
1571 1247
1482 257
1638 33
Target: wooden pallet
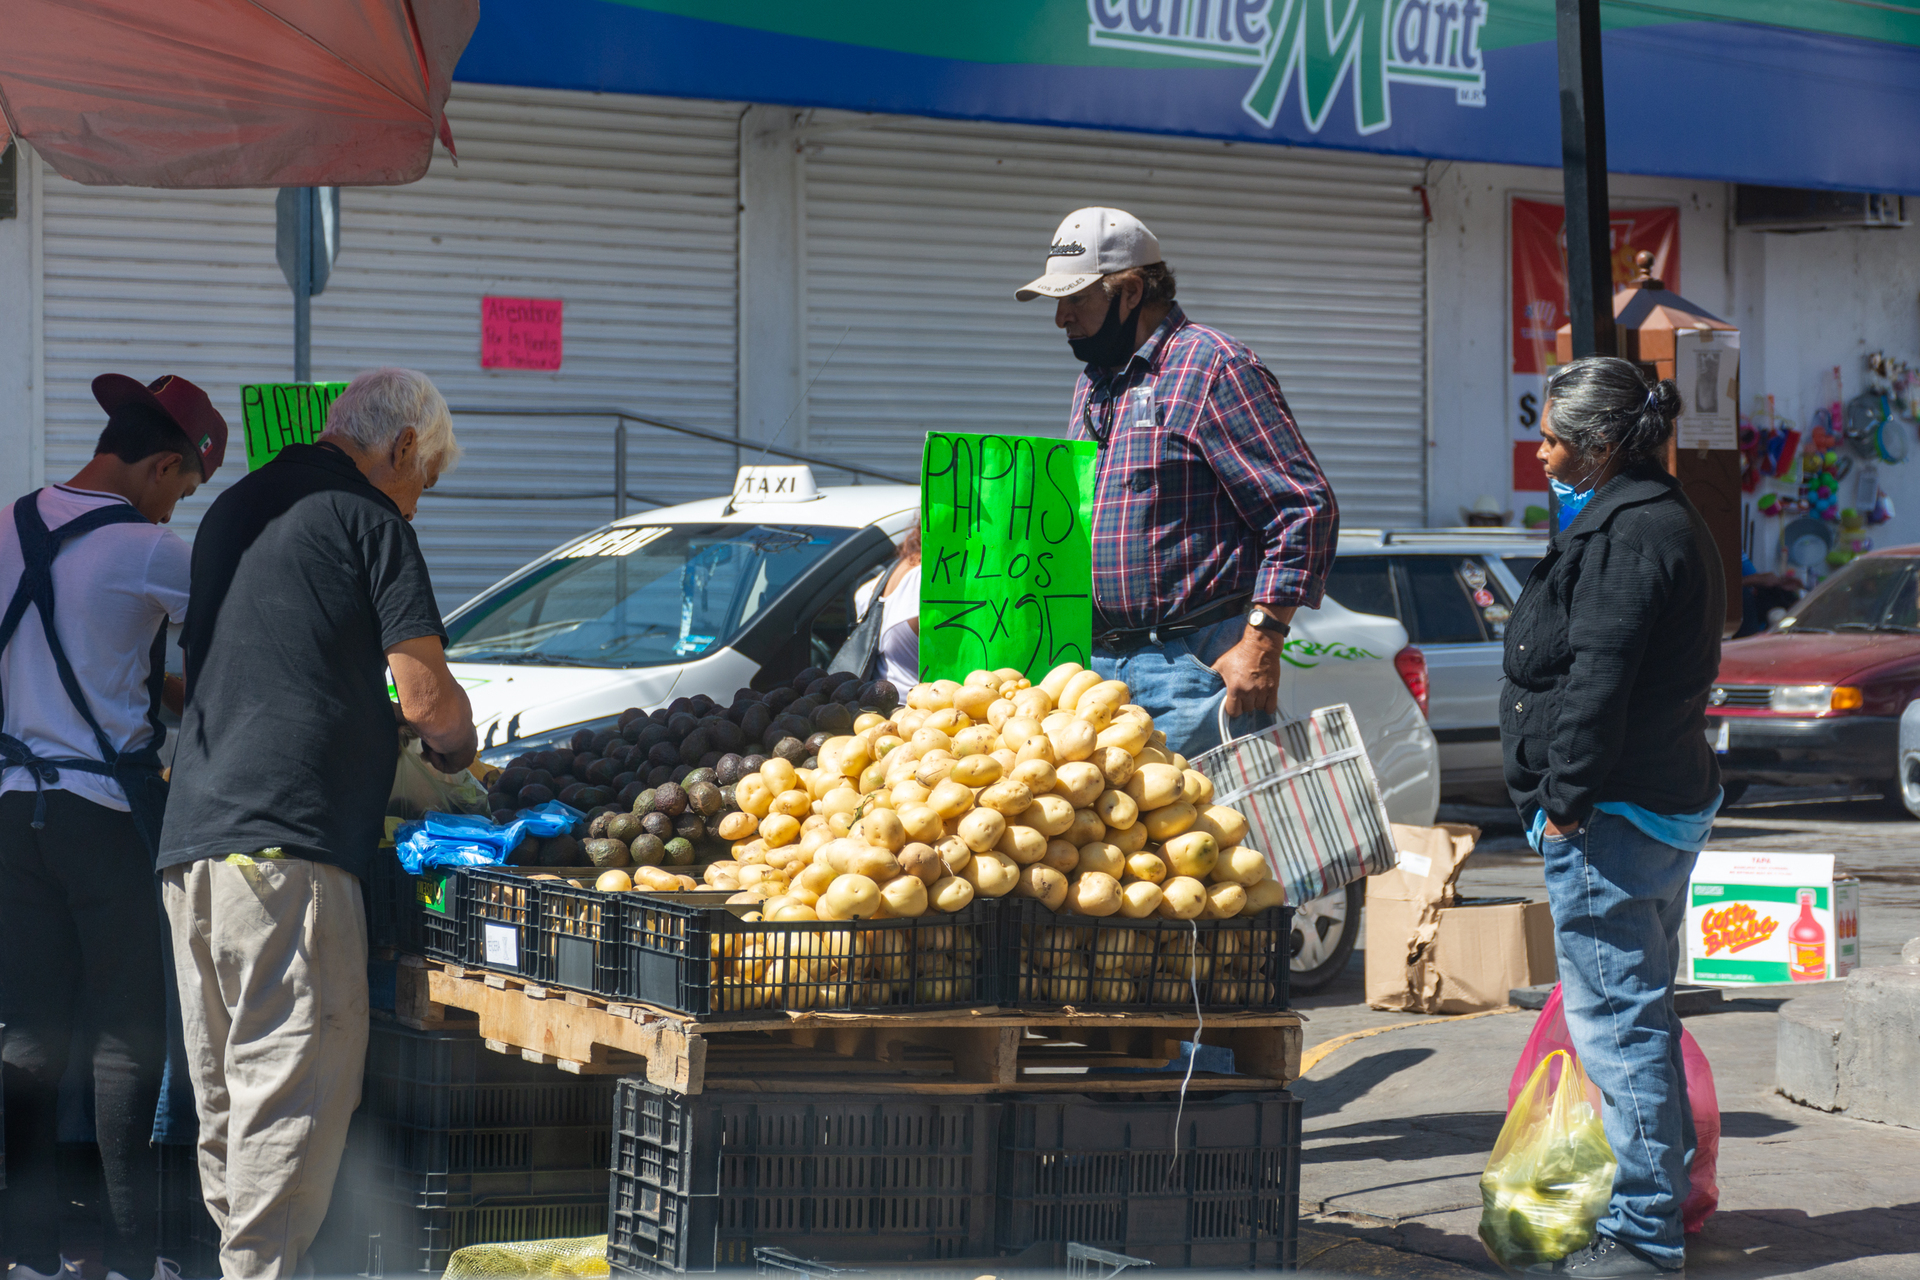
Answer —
955 1051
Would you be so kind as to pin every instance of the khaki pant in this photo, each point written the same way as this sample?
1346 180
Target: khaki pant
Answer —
272 963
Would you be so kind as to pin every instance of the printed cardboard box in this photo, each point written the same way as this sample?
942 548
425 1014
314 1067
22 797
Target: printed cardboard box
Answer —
1430 950
1761 918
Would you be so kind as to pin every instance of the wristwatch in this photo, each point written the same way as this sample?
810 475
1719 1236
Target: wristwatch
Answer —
1261 620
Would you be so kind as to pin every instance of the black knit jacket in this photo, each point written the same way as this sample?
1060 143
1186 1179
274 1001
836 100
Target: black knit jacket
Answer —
1611 652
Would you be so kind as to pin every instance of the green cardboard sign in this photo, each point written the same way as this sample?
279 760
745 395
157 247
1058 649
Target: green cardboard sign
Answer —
277 414
1006 554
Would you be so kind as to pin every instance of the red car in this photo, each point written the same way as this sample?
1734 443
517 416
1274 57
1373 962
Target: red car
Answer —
1817 700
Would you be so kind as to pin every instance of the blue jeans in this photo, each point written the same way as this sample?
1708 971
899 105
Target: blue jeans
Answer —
1176 684
1619 901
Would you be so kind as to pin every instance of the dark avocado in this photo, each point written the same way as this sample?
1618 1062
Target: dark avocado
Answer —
600 772
791 749
690 826
670 800
658 825
658 774
643 803
679 853
624 826
728 771
664 753
597 825
511 780
848 691
582 740
628 794
606 852
832 718
534 794
751 763
646 850
561 851
526 853
703 798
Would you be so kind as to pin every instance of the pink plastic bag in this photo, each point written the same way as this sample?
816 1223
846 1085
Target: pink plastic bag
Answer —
1550 1034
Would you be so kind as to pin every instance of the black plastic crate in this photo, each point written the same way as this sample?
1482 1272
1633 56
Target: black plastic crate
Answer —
187 1233
705 961
497 912
374 1234
572 940
1211 1183
700 1180
406 912
1113 964
450 1081
437 915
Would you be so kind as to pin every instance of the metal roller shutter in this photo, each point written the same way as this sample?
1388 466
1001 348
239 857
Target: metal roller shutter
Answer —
623 207
918 231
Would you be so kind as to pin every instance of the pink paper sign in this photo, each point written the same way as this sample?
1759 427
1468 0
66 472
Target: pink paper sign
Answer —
520 333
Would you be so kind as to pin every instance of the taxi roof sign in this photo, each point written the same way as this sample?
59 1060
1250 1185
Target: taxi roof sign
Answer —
774 484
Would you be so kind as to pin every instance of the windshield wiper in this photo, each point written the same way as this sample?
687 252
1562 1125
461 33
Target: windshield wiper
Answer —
521 658
1856 626
1806 631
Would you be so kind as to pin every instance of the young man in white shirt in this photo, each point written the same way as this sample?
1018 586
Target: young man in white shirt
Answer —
81 686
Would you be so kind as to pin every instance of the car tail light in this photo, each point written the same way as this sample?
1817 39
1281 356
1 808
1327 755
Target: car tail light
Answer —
1412 666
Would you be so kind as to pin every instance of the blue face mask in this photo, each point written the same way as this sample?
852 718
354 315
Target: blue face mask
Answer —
1570 501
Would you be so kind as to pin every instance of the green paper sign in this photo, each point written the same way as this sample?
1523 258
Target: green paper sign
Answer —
277 414
1006 554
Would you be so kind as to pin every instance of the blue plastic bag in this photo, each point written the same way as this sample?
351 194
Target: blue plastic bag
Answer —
469 840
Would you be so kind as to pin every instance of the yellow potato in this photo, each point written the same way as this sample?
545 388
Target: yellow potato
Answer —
753 795
975 740
1007 797
778 829
845 756
920 860
1128 840
1038 747
1061 855
1043 884
738 826
1050 815
1037 774
876 864
1103 857
976 771
1086 828
1168 822
1006 757
991 874
947 720
868 720
613 882
1067 984
1093 893
840 800
950 893
885 744
1241 865
1034 704
999 712
815 877
1127 734
981 678
929 739
849 897
1263 895
907 720
1079 781
1154 786
908 791
1056 680
793 910
981 829
1228 826
748 851
882 829
839 853
1224 901
905 896
954 854
1182 898
839 823
1116 809
1150 867
1017 730
1194 853
1115 765
933 769
1139 899
950 799
779 775
1151 755
1022 844
1074 739
974 700
1196 788
921 823
1077 684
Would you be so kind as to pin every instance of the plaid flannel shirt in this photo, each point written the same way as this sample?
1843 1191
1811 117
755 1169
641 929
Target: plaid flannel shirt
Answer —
1204 488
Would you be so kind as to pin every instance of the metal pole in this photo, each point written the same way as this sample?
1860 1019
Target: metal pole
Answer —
619 469
1583 145
303 287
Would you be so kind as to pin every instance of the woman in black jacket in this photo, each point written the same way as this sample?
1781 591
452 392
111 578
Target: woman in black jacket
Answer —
1610 655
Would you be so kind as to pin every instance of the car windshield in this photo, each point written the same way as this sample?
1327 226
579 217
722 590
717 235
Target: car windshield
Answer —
639 595
1872 594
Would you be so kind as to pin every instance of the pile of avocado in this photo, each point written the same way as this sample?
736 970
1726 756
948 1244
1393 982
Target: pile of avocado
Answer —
654 784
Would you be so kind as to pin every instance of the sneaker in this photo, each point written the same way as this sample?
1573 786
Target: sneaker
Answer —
1607 1258
163 1269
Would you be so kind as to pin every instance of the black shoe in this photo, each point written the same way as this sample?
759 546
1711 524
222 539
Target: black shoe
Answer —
1607 1258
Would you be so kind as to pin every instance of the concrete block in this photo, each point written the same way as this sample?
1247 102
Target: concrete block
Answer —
1880 1045
1806 1064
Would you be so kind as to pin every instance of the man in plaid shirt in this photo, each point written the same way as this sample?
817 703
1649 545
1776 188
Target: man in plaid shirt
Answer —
1212 521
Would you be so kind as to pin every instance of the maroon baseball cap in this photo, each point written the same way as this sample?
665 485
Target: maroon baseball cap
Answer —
186 404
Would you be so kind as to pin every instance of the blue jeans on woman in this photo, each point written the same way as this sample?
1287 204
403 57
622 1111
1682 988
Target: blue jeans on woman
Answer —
1175 683
1619 901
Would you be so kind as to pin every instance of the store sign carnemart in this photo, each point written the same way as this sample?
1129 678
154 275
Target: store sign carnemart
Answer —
1376 43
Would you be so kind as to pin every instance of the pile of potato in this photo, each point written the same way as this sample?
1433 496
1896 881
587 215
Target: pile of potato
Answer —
842 969
1062 792
1081 964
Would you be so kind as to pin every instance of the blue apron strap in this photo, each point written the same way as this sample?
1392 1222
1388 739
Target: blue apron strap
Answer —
38 547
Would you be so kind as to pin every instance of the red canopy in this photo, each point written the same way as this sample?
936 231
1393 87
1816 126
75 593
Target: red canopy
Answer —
232 93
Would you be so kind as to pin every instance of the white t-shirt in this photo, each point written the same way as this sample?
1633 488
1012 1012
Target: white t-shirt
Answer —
112 589
899 647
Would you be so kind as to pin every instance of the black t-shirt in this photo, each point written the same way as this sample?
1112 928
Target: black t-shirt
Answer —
304 575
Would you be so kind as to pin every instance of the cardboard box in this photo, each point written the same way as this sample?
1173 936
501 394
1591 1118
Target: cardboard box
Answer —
1744 912
1431 951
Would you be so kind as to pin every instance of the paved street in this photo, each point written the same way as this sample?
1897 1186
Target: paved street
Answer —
1399 1123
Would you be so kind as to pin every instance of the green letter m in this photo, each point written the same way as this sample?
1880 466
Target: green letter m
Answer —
1304 35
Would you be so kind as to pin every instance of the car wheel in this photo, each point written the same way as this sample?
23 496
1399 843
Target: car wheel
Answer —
1324 933
1904 790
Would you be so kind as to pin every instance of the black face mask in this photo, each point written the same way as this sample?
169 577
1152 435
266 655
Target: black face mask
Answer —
1109 346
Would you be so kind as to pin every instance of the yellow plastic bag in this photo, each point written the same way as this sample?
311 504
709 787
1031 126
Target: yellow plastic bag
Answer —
1551 1173
581 1259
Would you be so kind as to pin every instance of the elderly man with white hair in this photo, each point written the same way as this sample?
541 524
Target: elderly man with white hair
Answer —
307 587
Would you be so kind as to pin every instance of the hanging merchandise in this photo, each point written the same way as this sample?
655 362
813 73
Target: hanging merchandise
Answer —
1807 541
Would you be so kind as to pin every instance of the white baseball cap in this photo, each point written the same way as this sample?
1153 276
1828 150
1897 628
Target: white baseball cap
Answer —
1092 243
